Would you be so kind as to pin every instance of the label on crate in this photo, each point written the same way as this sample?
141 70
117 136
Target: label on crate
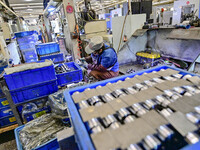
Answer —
39 114
4 103
13 119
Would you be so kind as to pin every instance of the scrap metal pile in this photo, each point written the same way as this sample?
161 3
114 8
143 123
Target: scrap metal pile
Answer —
157 110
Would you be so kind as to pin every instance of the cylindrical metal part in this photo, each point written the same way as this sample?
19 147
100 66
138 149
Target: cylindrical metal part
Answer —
149 83
134 147
95 101
165 132
166 112
152 142
192 138
193 117
138 109
118 93
197 109
158 80
108 97
131 90
83 104
150 103
178 76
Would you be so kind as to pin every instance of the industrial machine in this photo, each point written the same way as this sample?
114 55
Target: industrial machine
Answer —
184 10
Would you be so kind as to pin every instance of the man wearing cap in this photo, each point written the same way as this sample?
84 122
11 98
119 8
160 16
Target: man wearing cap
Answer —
102 63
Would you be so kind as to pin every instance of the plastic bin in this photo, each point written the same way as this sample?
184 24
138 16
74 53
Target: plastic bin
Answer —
2 68
25 33
47 48
3 103
25 46
56 58
34 91
7 121
32 38
70 77
4 112
30 77
33 115
83 137
50 145
30 55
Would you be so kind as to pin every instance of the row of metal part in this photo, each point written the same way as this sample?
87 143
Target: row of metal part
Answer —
172 94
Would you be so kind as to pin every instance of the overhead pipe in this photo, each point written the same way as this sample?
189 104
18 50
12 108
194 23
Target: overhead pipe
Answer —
4 5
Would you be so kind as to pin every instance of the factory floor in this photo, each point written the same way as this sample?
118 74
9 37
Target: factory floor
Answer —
7 141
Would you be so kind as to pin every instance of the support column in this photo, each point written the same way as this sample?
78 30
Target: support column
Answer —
71 43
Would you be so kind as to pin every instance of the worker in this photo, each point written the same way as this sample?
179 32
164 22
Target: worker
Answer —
102 63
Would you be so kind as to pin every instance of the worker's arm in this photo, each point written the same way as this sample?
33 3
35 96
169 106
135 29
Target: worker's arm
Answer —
106 62
97 67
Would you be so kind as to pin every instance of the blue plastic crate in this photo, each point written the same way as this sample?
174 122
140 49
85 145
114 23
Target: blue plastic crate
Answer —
37 113
56 58
34 91
83 137
6 111
3 103
2 68
70 77
38 103
31 60
32 38
7 121
30 56
26 46
30 77
25 33
50 145
47 48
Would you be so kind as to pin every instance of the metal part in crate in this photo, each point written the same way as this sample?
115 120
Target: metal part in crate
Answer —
47 48
50 145
81 129
55 57
70 73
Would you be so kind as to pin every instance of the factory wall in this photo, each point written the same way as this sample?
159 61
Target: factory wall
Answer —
186 50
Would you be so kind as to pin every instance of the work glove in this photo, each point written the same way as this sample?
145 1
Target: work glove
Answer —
85 65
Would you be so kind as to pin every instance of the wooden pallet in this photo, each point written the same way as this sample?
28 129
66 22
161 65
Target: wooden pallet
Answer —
2 130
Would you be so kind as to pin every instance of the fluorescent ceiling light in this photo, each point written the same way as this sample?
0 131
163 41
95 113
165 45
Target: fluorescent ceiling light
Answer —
28 0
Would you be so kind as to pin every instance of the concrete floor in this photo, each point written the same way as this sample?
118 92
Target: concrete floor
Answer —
7 141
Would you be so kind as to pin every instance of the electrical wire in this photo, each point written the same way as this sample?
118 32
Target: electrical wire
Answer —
79 42
122 30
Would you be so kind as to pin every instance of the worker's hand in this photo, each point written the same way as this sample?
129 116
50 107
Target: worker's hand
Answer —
82 59
85 65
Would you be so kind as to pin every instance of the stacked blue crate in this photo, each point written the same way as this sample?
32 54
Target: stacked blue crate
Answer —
27 41
6 115
31 84
50 51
